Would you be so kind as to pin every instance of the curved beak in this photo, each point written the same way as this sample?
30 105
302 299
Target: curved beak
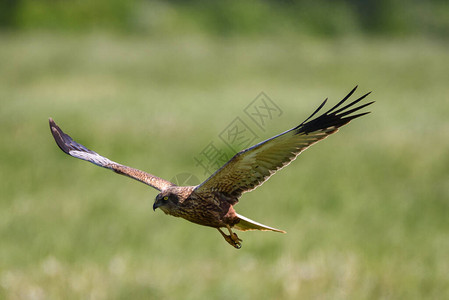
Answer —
156 205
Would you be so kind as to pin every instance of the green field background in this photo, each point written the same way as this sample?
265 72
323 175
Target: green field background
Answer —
366 210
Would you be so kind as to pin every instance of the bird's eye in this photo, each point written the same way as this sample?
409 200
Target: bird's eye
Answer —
166 198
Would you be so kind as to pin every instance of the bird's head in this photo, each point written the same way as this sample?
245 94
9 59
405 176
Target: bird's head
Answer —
165 201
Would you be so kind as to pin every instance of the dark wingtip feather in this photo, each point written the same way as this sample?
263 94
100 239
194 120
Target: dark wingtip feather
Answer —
64 141
58 135
335 117
349 105
343 100
348 112
350 118
314 113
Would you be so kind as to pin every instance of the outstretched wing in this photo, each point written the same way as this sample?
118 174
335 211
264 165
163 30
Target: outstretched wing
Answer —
72 148
251 167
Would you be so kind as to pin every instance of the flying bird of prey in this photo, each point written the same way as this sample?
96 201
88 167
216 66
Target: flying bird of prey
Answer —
211 203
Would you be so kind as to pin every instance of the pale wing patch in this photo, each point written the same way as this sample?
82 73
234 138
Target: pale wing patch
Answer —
94 158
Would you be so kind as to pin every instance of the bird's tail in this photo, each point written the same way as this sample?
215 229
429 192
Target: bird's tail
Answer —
247 224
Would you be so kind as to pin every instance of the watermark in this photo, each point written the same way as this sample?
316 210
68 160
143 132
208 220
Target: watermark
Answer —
211 158
239 134
185 179
262 110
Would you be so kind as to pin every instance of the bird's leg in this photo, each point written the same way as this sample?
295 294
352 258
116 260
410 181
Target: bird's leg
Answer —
232 238
229 239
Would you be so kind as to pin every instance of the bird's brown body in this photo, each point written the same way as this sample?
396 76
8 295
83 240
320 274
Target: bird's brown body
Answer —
208 209
212 202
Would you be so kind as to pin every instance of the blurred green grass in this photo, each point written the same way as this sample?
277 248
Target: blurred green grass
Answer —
337 18
365 210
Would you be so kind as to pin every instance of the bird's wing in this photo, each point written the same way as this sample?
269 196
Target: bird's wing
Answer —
72 148
251 167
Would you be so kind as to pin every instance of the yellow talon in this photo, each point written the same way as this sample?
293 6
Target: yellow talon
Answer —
232 238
